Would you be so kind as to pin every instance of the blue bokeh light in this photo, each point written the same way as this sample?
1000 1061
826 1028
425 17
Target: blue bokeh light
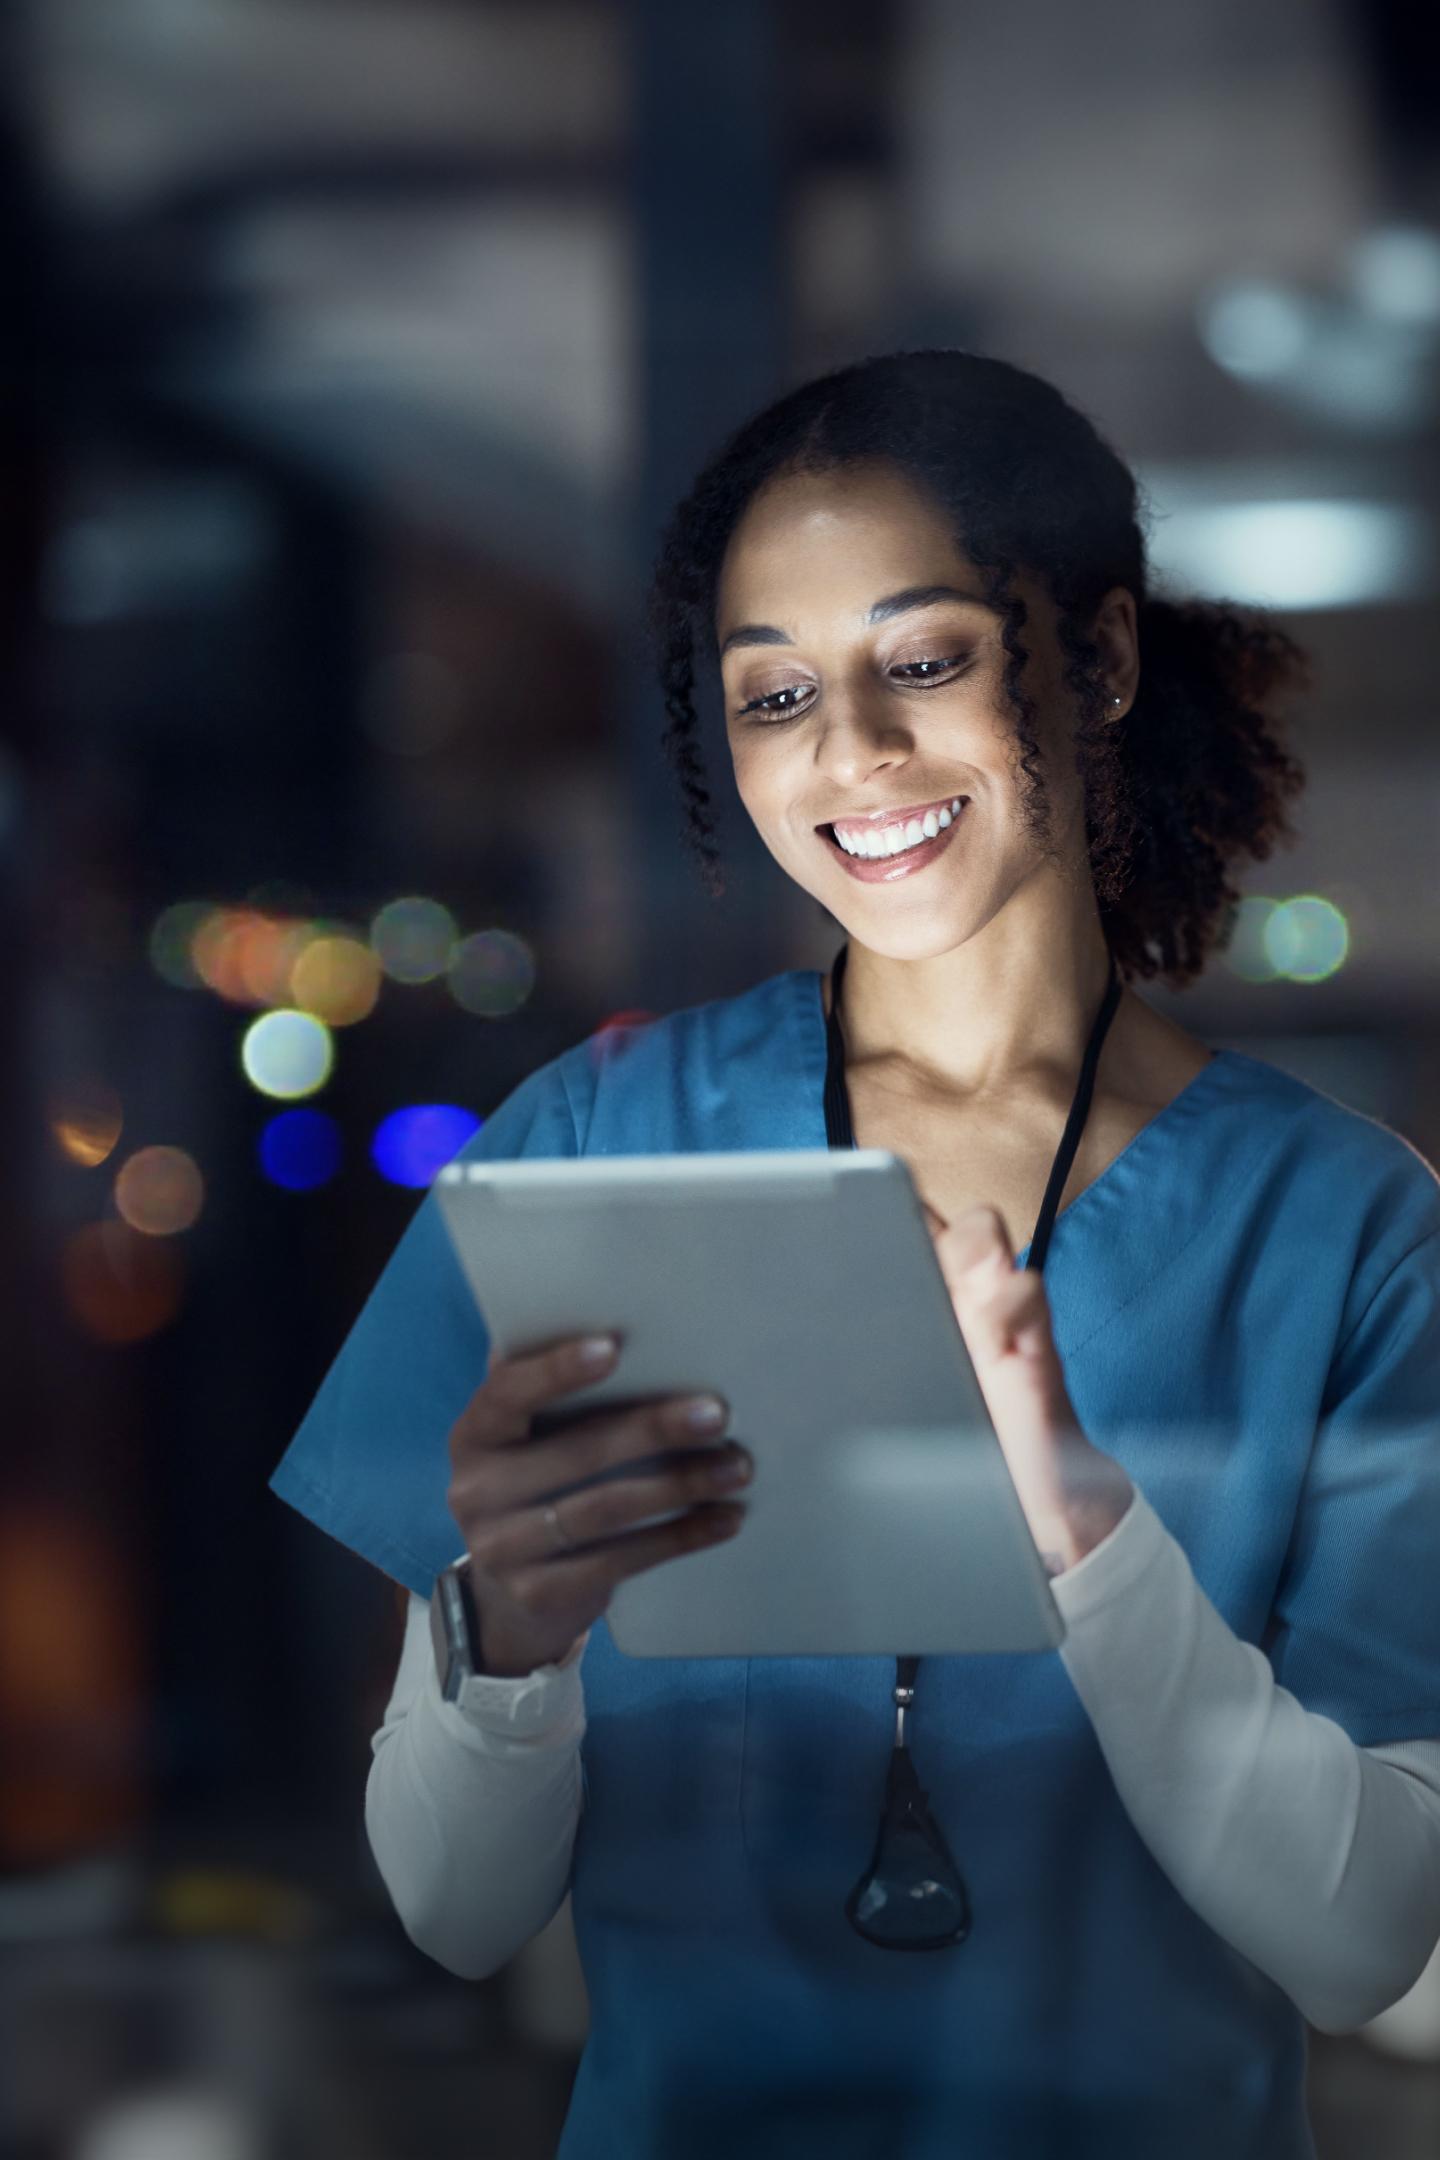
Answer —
300 1149
411 1145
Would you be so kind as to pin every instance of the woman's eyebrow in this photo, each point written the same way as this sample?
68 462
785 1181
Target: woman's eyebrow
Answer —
900 603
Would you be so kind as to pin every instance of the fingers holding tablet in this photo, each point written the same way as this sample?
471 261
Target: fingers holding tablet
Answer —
521 1469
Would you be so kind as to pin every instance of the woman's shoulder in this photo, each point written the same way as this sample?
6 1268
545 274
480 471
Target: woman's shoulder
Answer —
1358 1175
654 1074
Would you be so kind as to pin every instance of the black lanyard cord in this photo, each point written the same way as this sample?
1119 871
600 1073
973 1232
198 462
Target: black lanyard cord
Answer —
840 1132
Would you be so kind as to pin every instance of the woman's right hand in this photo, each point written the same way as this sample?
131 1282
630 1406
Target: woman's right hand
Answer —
533 1598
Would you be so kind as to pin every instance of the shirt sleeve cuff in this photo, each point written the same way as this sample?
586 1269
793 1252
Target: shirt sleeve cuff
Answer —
1110 1568
545 1704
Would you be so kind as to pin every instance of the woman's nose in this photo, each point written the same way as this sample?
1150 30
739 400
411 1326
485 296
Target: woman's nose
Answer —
858 736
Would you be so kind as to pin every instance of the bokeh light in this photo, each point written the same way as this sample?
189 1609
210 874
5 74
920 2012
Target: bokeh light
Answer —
411 1146
337 979
1246 954
1254 327
266 953
287 1054
172 940
118 1285
159 1191
300 1149
1307 938
86 1120
491 973
412 939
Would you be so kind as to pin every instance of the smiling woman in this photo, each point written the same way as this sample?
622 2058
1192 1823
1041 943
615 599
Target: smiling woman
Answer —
1135 1866
913 461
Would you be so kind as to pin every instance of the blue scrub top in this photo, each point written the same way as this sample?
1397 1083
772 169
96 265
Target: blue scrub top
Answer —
1246 1306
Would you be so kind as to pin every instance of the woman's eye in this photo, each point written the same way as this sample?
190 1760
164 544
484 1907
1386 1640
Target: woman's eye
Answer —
906 665
770 706
766 704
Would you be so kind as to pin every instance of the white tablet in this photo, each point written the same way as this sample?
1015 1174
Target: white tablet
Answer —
803 1287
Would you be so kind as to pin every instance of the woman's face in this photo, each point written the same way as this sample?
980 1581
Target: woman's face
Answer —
883 706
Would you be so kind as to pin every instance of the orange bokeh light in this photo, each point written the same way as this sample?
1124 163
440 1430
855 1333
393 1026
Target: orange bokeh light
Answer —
159 1191
72 1703
119 1285
337 979
247 957
86 1118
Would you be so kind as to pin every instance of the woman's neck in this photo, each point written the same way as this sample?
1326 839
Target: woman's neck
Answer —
999 1012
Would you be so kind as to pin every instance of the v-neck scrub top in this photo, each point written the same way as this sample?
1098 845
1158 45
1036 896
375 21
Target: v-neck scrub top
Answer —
1246 1304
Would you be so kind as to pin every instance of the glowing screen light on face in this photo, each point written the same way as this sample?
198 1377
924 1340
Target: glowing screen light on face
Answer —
300 1149
411 1146
159 1191
1307 938
412 939
287 1054
491 973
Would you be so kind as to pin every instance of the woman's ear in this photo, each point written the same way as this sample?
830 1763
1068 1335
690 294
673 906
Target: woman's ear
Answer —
1116 633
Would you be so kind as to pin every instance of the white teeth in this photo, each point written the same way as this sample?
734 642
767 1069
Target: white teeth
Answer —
873 842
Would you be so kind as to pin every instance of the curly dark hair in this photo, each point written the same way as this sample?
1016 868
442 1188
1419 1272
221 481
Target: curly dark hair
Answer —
1191 778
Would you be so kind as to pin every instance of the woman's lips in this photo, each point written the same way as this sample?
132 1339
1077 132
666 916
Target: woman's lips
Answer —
888 868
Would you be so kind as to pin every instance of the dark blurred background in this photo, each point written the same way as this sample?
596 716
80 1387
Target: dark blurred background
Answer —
353 352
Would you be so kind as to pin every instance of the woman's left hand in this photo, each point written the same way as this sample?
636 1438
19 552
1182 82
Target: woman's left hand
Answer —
1073 1493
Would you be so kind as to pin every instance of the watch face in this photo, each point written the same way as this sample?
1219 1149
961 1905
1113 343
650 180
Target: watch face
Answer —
450 1632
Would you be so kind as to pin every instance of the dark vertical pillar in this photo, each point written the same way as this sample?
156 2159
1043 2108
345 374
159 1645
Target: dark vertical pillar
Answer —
22 460
708 203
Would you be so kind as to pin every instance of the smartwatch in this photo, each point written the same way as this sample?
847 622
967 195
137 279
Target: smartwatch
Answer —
454 1629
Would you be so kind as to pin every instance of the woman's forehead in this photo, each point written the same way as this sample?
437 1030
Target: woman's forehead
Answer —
836 535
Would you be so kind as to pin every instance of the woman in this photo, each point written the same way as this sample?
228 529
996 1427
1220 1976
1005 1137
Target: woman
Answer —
1018 782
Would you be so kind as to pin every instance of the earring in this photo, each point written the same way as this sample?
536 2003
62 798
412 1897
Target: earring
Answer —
1117 701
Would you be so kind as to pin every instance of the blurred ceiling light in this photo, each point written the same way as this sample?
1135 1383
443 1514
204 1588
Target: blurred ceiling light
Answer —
491 973
337 979
300 1149
1254 327
86 1119
159 549
412 939
120 1286
1307 938
159 1191
1300 554
411 1146
1363 359
1395 271
287 1054
183 2122
412 703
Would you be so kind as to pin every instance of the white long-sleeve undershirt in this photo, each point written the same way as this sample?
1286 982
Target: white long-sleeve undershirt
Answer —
1316 1859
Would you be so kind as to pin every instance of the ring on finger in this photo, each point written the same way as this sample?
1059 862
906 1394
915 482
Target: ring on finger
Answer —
558 1538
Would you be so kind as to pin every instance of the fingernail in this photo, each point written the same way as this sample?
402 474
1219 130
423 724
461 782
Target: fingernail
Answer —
596 1349
704 1414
